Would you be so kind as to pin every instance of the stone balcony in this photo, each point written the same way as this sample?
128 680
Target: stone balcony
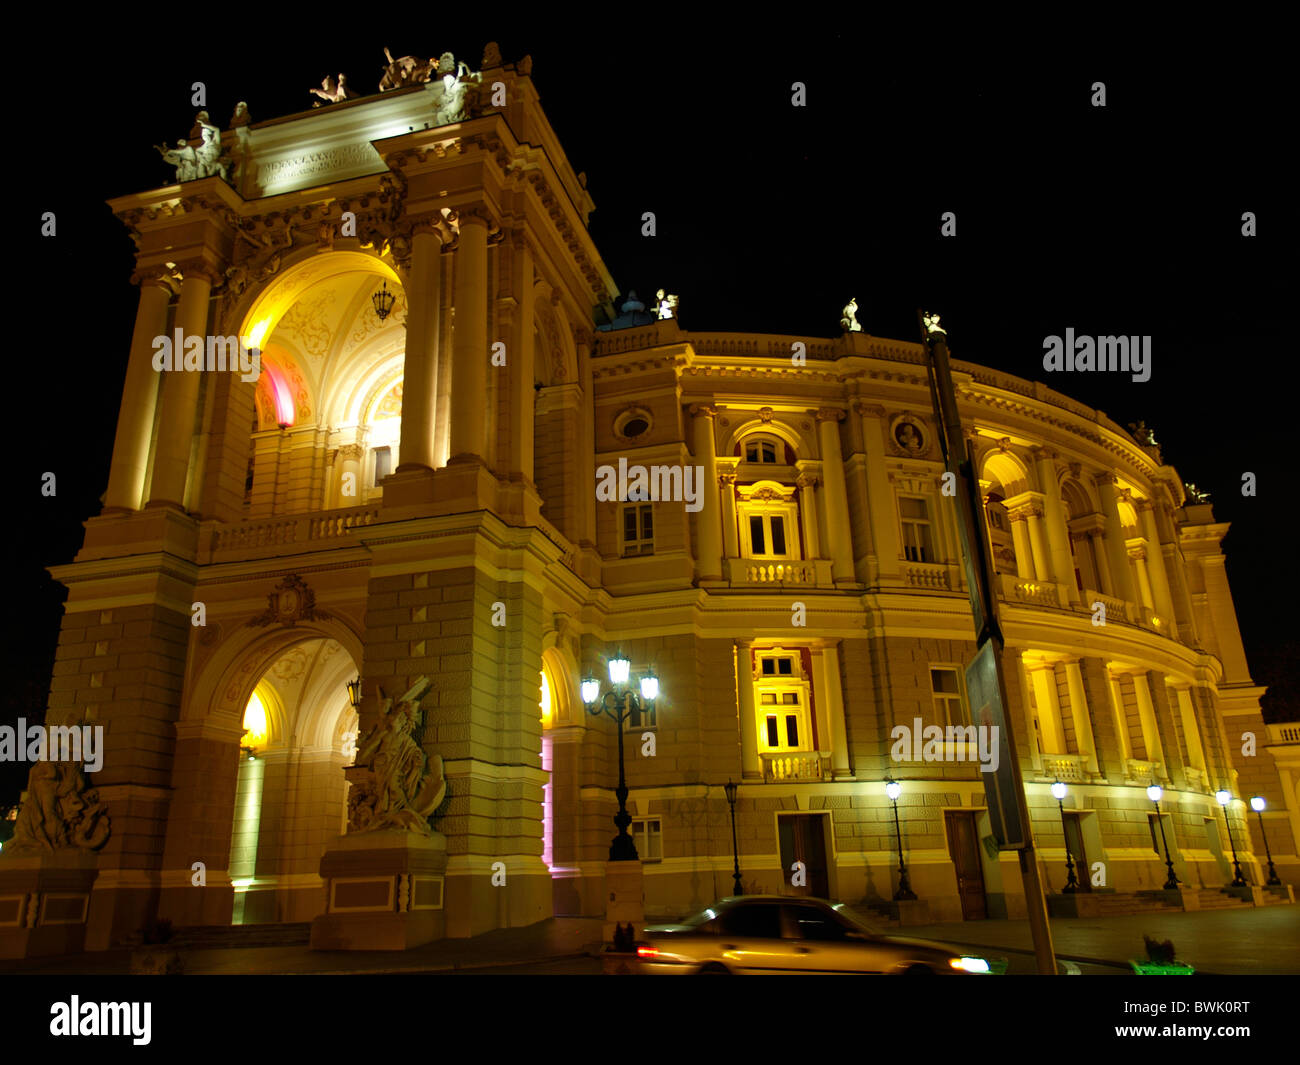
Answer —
248 539
758 572
1067 768
795 766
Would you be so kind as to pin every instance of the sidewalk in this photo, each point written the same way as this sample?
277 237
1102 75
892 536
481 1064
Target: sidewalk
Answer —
559 937
1261 941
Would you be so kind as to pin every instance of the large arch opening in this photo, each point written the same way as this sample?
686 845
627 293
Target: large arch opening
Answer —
291 795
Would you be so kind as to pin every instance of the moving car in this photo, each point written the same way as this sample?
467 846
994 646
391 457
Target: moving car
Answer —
773 934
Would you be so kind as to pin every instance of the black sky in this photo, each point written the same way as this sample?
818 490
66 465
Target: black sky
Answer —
1117 220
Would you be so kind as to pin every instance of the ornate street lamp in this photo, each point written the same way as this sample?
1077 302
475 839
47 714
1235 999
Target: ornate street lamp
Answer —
620 703
354 693
383 301
904 893
730 789
1154 792
1225 796
1257 804
1071 882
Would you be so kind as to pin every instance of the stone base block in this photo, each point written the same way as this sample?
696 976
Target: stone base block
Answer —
44 903
908 911
383 891
1080 904
625 888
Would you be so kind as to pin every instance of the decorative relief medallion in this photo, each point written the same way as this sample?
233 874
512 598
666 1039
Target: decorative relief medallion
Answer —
909 437
291 602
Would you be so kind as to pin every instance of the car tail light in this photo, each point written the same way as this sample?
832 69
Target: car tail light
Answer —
647 952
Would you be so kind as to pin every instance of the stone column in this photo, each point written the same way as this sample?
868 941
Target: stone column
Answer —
730 528
519 359
1058 535
1034 521
708 564
1020 537
835 712
139 398
180 395
469 342
1156 568
420 364
751 766
1120 570
1098 547
881 508
808 511
1138 559
1176 573
838 537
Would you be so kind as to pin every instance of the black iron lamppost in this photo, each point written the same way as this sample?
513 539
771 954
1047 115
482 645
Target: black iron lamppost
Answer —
1225 796
1257 804
730 789
620 703
1154 792
1071 882
904 893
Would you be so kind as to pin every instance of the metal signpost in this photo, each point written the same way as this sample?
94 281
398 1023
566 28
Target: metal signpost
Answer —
985 684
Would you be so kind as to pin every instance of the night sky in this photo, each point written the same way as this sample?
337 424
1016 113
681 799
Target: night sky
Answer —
1117 220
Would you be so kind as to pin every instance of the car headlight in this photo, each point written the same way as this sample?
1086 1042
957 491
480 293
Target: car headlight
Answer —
970 965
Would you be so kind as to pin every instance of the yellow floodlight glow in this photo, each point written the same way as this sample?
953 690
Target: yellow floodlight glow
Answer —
546 699
255 722
259 332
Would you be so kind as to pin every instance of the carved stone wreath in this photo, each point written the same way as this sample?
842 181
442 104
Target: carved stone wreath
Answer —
291 602
909 437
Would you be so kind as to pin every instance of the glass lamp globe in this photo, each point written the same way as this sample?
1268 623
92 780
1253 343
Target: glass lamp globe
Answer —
650 687
893 789
1224 796
590 690
1058 791
618 669
1154 792
1257 804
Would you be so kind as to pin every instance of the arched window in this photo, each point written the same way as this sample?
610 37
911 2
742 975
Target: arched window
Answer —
763 449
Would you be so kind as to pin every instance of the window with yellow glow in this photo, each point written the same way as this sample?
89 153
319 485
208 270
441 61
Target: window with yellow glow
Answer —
255 730
546 702
781 697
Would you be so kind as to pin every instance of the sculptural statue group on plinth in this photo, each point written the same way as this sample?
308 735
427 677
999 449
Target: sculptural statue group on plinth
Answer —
192 163
60 813
394 783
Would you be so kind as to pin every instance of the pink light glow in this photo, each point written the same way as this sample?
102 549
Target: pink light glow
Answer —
281 393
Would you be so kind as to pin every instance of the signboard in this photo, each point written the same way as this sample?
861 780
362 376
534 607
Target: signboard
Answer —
984 688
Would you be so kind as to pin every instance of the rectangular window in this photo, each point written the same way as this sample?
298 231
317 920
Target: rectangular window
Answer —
778 536
756 539
949 709
639 720
648 838
773 736
917 543
638 530
792 731
783 697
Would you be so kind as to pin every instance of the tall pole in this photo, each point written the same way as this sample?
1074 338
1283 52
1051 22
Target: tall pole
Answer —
1171 881
1224 798
904 892
735 849
959 460
1258 804
1071 881
623 848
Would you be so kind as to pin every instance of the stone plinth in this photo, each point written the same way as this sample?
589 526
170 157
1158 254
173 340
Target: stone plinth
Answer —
1078 904
624 898
383 891
908 911
44 901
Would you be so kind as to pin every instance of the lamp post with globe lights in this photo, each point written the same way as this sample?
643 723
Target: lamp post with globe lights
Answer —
1071 881
619 703
730 789
1257 804
1154 793
1224 796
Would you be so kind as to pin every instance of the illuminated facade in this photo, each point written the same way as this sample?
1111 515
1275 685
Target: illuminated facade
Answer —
415 495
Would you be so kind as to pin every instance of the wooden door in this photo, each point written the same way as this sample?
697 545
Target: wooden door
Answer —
963 846
803 839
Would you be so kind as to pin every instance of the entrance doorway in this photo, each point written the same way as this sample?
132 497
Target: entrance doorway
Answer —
963 846
1074 841
803 839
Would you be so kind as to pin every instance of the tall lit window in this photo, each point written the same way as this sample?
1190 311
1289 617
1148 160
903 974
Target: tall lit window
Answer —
255 728
546 702
648 838
782 698
383 463
638 529
918 544
768 520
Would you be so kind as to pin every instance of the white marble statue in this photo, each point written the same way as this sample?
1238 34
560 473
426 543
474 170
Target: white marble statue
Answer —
405 71
849 317
333 91
183 158
241 116
666 305
932 326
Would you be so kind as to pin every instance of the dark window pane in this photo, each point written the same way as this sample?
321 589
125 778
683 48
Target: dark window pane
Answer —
756 921
812 923
756 536
647 523
773 739
778 536
785 665
768 665
629 524
769 452
383 463
792 730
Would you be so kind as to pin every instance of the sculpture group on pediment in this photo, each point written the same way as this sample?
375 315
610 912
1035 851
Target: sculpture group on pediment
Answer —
399 73
333 90
849 317
203 161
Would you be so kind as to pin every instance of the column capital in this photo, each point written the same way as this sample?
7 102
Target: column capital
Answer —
476 215
871 410
197 268
702 410
726 480
434 225
1104 478
1043 454
154 275
808 480
1144 505
829 414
